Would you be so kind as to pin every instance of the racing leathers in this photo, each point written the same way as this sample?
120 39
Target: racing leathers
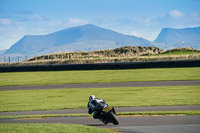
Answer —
94 107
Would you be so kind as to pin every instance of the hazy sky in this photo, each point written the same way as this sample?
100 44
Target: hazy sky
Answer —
142 18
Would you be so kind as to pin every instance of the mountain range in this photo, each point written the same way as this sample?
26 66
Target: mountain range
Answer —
82 38
90 37
170 38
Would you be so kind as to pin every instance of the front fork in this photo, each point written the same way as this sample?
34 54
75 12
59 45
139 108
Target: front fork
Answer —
113 110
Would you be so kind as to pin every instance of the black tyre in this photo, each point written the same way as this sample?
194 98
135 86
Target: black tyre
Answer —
113 117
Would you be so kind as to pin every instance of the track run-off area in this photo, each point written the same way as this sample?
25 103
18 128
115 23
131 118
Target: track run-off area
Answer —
128 123
104 85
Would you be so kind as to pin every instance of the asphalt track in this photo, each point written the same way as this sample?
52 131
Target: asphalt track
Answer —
145 124
104 85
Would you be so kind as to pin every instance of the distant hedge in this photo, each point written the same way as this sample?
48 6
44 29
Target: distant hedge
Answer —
102 66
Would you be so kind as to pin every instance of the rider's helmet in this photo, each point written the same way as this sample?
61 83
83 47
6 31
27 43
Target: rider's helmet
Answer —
91 97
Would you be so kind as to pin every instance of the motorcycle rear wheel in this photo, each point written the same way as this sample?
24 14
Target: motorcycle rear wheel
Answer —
113 118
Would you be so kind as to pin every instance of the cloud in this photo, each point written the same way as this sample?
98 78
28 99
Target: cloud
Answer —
77 21
36 17
56 23
135 33
195 16
70 22
14 14
5 21
18 15
176 13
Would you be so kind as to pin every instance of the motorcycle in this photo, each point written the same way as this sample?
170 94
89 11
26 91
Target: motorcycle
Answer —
108 114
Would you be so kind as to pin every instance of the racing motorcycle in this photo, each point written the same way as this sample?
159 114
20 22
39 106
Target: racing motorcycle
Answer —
108 114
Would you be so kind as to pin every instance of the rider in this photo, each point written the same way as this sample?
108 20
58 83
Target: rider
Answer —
93 106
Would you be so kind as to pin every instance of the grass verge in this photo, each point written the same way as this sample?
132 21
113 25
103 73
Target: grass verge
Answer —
180 52
68 77
50 128
147 113
118 97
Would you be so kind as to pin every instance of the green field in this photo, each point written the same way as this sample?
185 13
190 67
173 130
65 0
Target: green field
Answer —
50 128
68 77
70 98
179 52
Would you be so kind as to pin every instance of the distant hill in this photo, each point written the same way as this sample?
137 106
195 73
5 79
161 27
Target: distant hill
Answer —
171 38
82 38
117 52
